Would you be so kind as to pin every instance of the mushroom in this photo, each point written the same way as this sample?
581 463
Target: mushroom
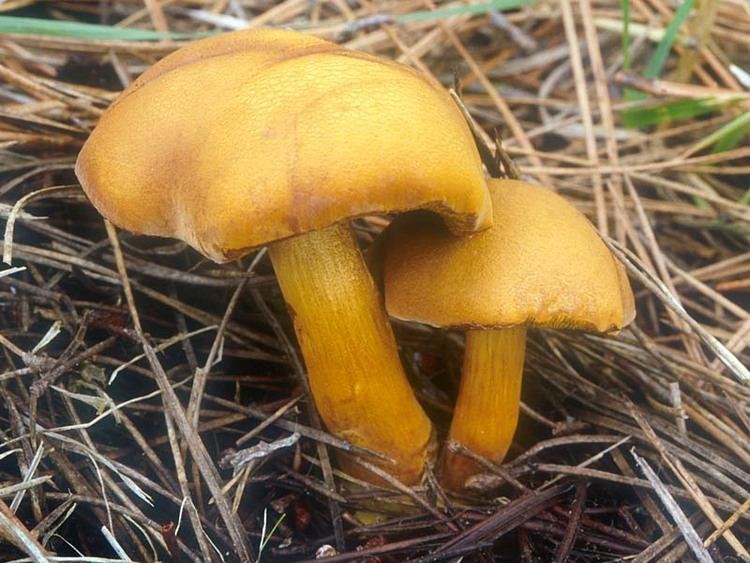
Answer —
542 264
270 137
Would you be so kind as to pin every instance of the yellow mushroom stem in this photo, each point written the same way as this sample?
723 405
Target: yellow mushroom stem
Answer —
356 376
489 397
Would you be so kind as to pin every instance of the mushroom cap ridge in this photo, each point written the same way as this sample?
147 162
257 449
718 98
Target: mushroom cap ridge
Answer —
541 264
269 44
258 137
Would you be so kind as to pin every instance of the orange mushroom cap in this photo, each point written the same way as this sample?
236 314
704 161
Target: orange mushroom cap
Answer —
268 45
541 264
259 135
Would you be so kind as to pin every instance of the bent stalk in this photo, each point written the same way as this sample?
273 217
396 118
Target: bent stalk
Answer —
355 373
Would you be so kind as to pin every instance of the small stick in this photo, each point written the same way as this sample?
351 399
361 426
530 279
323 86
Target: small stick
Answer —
504 161
527 43
679 411
680 90
571 532
398 485
13 530
494 468
688 532
656 286
687 481
728 523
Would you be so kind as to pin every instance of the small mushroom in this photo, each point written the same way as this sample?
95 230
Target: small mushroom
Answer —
269 137
542 264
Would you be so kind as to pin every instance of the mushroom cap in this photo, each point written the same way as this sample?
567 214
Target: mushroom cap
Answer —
541 264
255 136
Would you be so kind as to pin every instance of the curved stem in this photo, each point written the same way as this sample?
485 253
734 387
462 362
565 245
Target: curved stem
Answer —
486 413
355 373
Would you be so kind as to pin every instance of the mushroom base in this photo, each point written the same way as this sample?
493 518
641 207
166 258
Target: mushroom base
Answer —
355 374
486 412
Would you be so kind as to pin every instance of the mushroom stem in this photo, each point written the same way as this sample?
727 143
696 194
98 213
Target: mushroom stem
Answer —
486 413
355 374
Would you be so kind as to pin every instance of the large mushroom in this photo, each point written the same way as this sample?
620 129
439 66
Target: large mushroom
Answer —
269 137
542 264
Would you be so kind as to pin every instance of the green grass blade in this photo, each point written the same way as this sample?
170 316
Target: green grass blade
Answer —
88 31
669 112
726 137
731 135
659 56
442 13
